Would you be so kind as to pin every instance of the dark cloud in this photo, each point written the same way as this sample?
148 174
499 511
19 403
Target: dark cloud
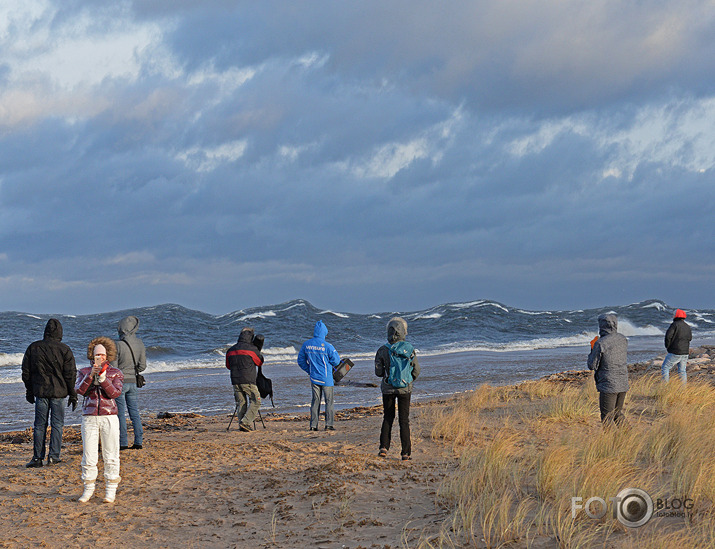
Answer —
366 157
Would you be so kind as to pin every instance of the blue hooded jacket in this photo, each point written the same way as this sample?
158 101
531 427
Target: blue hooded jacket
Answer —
317 357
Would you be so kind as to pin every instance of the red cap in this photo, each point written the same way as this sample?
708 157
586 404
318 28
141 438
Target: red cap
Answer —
680 313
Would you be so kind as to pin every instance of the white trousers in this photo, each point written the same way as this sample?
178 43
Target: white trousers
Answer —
94 429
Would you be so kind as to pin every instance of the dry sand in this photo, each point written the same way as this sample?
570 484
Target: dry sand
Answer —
196 485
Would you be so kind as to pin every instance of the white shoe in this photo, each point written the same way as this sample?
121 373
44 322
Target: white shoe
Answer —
111 491
88 492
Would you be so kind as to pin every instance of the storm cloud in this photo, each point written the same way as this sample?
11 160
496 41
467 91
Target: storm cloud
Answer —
366 156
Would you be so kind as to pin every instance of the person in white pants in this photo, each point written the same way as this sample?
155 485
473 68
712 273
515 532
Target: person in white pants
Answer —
100 384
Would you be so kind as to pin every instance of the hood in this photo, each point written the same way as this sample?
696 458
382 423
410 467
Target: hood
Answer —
128 326
396 330
680 313
320 330
108 344
53 329
246 336
607 324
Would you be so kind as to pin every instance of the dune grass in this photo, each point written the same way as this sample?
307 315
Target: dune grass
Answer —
525 451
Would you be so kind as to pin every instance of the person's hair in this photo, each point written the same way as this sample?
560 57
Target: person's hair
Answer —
108 344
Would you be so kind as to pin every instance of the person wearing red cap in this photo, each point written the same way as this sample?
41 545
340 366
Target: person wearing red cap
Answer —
677 343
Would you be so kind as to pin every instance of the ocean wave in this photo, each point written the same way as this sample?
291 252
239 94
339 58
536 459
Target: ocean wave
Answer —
430 316
524 345
11 359
465 305
628 329
266 314
280 354
339 315
700 317
656 305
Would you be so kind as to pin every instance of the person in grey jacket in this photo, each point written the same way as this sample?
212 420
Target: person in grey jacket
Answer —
609 361
396 332
130 352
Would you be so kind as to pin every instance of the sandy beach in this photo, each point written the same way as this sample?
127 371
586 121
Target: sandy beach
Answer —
196 485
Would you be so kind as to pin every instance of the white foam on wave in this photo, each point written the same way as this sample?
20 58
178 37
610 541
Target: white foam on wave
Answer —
265 314
301 304
492 304
30 316
700 317
430 316
658 306
628 329
11 359
466 305
155 366
533 313
339 315
524 345
280 354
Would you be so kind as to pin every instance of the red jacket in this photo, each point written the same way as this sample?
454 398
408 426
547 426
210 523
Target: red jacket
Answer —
99 399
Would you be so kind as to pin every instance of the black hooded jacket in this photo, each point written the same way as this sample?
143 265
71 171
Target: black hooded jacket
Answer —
243 359
678 337
48 367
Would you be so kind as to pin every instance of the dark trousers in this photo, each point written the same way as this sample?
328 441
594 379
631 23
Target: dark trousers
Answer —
52 409
611 405
403 408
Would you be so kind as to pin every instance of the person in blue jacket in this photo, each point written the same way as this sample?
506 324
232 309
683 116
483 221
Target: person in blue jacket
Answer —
317 358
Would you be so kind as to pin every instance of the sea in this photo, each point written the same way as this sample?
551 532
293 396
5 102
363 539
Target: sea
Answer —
460 346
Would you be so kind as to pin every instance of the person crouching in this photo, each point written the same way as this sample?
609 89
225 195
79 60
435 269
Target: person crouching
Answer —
100 384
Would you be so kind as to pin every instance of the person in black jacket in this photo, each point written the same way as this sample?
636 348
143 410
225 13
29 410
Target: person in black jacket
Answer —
49 375
243 359
677 343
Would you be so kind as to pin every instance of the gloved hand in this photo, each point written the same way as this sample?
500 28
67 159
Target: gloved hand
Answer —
29 397
72 402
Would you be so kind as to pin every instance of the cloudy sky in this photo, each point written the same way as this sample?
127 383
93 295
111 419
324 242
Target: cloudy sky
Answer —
366 156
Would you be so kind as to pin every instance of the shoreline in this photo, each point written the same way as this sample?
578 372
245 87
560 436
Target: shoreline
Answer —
196 485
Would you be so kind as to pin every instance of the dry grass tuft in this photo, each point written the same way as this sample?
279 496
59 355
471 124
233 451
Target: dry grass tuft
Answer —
527 450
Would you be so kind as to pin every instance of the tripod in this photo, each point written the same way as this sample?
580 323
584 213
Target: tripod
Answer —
235 411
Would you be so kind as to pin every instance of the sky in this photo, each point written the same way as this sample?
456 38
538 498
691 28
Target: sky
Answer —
366 156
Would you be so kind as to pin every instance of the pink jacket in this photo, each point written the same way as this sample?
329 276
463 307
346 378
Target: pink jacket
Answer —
99 399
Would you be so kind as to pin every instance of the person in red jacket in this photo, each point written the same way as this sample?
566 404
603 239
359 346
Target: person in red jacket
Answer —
100 384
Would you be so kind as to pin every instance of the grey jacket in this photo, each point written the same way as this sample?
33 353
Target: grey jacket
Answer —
609 357
396 331
127 329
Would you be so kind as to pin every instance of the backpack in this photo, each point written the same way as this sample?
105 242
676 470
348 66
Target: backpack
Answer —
400 373
265 385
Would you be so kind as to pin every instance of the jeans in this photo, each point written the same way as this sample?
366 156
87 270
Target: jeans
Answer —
94 430
327 394
248 400
43 408
670 361
611 405
129 400
403 408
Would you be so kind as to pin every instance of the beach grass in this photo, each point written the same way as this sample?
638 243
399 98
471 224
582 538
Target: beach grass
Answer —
525 451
